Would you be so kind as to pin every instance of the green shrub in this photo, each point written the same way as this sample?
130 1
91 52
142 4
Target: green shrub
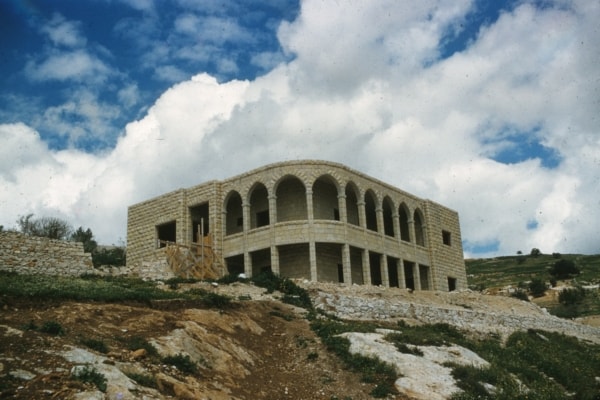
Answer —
520 294
137 342
143 379
564 269
182 362
52 328
90 375
95 344
537 287
571 296
312 356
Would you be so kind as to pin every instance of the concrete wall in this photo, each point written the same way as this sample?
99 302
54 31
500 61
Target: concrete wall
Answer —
38 255
309 204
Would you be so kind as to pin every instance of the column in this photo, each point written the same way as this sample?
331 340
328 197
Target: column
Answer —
275 259
417 276
362 216
313 260
309 205
247 264
342 208
347 264
385 277
366 266
379 217
401 276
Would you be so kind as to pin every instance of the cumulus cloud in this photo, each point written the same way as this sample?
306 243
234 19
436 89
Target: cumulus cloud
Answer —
78 65
367 86
64 33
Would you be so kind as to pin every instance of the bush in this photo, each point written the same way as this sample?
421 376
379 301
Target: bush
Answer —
182 362
115 256
90 375
52 328
569 297
50 227
95 344
520 294
537 287
564 269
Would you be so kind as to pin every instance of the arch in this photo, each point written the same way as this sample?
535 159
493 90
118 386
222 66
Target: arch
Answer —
234 221
258 197
352 213
419 228
403 215
325 198
291 199
371 210
388 216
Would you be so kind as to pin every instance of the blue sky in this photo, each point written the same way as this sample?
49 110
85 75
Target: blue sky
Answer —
489 107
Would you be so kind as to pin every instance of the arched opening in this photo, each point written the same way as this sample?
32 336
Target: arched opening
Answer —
403 214
352 204
370 210
259 206
325 199
419 228
291 200
388 219
234 222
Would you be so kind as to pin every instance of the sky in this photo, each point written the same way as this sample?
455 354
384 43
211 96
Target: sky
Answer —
491 108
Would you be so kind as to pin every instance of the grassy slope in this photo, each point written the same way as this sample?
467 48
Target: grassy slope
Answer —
485 273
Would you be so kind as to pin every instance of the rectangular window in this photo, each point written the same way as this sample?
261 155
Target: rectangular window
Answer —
262 218
166 233
447 238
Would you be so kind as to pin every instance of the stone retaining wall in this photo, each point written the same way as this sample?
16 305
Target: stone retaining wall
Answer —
496 322
38 255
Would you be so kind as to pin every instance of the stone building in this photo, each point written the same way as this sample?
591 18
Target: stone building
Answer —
315 220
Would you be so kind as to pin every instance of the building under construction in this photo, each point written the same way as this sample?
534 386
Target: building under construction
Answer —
314 220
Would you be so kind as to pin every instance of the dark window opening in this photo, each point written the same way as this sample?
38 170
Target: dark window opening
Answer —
409 278
336 214
451 284
447 238
240 221
375 263
166 233
340 268
262 218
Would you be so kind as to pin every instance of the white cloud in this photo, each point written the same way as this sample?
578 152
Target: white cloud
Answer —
367 88
78 65
64 33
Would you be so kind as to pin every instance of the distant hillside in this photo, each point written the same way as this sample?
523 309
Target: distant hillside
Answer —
491 274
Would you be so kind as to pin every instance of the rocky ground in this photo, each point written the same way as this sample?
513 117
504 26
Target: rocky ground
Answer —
258 349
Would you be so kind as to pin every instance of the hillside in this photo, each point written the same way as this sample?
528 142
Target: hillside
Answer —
99 338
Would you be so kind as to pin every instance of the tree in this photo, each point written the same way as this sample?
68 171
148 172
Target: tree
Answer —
563 269
535 252
537 287
572 296
86 237
50 227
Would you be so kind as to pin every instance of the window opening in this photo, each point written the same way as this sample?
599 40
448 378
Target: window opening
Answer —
447 238
340 269
336 214
166 233
451 284
199 215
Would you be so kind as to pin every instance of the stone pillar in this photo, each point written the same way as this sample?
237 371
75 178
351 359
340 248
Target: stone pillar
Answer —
401 277
309 205
396 221
366 266
275 259
247 264
383 265
272 209
411 230
346 264
379 217
342 208
312 248
362 215
417 276
246 219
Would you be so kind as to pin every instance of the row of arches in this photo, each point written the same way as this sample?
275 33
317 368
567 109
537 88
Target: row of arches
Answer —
290 200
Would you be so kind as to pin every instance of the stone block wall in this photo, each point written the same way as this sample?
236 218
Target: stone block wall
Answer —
308 203
38 255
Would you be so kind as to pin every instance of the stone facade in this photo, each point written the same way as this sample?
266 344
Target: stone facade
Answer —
315 220
39 255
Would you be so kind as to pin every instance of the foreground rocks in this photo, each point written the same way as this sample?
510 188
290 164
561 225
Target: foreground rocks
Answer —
258 349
